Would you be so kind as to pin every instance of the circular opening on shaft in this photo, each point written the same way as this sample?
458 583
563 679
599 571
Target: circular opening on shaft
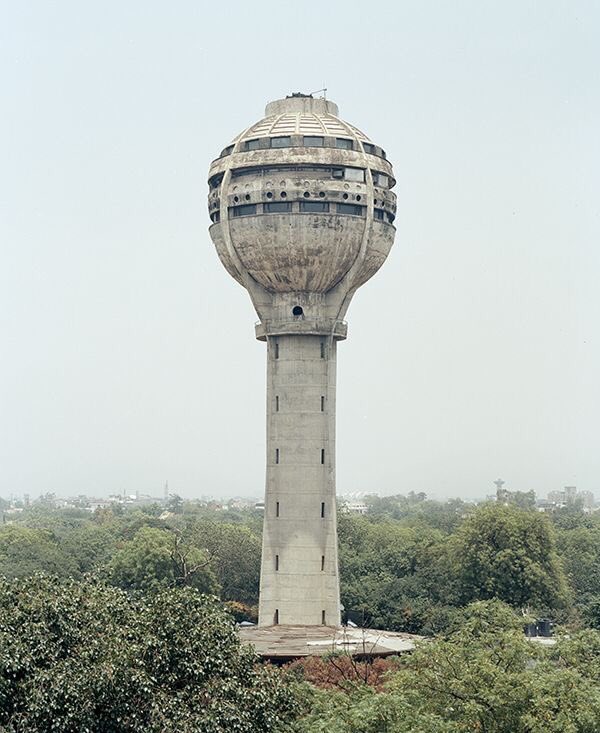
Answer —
306 194
236 199
357 198
269 195
297 310
345 196
283 194
247 197
322 194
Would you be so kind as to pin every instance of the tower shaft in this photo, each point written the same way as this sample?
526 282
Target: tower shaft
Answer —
299 574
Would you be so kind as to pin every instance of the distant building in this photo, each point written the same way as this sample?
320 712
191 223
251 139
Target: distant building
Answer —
355 507
570 495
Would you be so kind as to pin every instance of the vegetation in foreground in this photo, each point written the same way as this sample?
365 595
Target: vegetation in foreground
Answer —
81 656
122 621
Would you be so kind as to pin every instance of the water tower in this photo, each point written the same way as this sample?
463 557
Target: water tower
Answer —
302 215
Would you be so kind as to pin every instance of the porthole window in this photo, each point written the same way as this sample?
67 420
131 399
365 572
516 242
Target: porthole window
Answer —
236 198
345 196
357 198
283 195
247 197
322 194
297 311
306 194
269 195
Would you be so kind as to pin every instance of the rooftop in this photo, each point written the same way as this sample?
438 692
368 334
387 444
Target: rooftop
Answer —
284 643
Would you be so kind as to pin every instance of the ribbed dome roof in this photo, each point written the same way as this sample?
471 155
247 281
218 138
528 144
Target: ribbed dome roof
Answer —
302 116
302 124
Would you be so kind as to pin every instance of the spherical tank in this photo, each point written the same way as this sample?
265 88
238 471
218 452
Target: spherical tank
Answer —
301 201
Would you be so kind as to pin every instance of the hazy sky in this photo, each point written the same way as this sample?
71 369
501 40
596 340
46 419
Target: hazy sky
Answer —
127 354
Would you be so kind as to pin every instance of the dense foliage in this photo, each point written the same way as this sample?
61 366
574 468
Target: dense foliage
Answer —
482 676
81 656
116 635
407 565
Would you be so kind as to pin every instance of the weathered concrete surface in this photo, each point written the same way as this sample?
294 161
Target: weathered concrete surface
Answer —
301 268
284 643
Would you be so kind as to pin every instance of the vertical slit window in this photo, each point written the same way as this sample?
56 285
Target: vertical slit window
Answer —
322 455
322 349
276 403
276 455
322 403
323 617
276 617
276 562
276 349
322 510
276 508
322 563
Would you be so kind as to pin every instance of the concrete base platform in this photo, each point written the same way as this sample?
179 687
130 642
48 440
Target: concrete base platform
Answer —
284 643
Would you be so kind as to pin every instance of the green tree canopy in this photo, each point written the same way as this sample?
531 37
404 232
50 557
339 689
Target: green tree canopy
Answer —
508 553
484 676
235 552
80 656
159 558
24 551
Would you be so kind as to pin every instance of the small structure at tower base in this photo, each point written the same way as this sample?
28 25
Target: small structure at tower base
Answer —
284 643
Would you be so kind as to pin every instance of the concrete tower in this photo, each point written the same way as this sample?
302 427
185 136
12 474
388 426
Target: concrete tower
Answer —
302 213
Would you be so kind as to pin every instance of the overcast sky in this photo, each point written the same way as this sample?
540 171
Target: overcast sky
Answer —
127 355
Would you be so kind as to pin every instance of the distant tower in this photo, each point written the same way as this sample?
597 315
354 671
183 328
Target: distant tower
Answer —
302 213
501 493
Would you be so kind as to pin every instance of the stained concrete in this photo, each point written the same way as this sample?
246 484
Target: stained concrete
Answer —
301 269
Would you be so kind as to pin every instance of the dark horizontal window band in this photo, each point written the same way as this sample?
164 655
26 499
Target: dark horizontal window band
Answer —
314 207
278 207
243 210
305 207
294 141
321 171
352 209
382 215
